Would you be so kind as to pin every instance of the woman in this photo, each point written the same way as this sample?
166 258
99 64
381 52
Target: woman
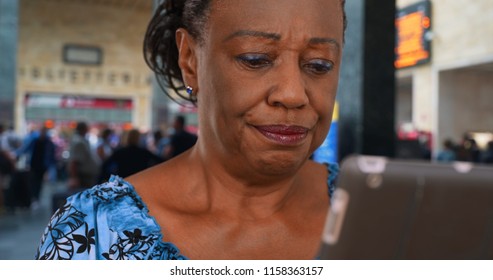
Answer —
264 77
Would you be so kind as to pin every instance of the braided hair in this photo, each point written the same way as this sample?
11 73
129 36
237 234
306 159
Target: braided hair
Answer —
160 48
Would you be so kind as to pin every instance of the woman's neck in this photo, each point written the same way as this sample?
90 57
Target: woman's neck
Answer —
242 192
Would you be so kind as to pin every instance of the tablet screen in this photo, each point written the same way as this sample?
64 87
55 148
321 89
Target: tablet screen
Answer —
395 209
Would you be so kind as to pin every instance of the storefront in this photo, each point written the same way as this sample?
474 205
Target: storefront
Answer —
61 109
82 62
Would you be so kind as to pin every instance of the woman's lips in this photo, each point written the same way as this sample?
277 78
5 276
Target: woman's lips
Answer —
284 134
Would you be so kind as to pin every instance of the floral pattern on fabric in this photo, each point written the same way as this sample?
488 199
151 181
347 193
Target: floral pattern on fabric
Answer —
131 246
332 180
110 221
59 237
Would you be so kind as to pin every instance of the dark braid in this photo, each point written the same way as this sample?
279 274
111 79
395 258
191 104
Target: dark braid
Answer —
160 50
344 19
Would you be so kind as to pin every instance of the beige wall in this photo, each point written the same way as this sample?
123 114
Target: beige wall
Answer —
444 102
404 102
47 25
463 31
466 103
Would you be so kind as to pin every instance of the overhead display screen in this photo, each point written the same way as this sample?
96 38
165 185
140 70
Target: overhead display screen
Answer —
413 35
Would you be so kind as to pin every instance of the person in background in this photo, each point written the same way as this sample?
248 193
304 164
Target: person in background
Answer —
2 137
264 76
468 150
181 140
474 150
23 153
129 159
487 155
6 155
42 158
104 148
82 166
160 142
447 154
9 140
7 167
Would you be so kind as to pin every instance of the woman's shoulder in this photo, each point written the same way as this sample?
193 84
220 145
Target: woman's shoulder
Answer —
108 221
115 193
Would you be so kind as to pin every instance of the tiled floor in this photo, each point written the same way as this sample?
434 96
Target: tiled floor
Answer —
20 232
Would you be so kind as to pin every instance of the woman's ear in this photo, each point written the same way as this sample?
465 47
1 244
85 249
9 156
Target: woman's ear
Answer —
187 59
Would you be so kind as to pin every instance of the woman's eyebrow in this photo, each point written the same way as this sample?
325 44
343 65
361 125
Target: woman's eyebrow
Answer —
253 33
277 37
320 40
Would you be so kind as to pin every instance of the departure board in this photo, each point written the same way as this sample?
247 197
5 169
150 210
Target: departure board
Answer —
413 35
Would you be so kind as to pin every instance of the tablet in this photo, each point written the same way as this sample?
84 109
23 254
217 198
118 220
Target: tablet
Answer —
408 209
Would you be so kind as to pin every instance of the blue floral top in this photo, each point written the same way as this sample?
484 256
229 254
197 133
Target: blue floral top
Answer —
110 221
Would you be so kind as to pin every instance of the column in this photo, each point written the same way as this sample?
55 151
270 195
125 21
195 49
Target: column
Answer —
9 15
367 84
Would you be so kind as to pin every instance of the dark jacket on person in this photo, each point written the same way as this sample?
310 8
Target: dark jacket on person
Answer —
181 141
42 154
128 160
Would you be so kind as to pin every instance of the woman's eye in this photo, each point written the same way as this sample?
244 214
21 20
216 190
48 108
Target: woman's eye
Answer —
254 61
319 66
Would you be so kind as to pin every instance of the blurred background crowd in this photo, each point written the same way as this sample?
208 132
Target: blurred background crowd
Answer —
79 157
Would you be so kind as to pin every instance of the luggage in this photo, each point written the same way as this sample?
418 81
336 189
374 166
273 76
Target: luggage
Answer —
18 194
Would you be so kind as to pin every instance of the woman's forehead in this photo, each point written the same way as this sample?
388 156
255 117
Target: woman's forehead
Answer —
321 17
251 8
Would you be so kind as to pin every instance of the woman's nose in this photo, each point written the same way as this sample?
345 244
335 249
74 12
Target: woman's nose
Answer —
289 90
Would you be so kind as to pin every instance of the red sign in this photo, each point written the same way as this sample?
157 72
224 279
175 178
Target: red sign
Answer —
76 102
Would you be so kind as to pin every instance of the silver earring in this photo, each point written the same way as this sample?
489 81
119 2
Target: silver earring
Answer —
189 90
190 93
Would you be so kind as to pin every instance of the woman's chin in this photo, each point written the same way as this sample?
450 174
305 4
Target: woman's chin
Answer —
279 164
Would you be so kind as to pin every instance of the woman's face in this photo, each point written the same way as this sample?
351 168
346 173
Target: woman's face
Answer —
267 74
